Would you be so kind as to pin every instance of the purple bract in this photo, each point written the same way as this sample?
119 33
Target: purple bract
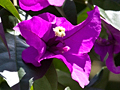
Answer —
110 46
55 37
36 5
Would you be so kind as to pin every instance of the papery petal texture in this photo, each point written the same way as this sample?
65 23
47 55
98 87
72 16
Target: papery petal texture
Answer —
110 46
113 35
29 55
79 66
36 5
56 2
36 25
81 39
33 5
57 21
101 47
71 49
84 35
33 32
110 61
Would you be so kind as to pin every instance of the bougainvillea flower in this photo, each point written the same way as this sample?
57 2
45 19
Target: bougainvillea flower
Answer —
55 37
110 46
36 5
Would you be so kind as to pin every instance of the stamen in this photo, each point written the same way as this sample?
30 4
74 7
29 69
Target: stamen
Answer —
59 49
65 49
59 31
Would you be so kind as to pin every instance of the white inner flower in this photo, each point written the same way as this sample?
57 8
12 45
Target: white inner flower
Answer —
59 31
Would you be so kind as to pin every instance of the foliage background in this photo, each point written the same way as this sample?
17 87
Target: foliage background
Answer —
58 76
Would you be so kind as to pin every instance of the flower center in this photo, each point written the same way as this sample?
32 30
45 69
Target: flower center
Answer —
59 31
59 49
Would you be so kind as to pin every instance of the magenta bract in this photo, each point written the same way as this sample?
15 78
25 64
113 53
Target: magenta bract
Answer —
110 46
55 37
36 5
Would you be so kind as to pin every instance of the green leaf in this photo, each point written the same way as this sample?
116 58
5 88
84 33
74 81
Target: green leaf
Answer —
42 84
114 84
69 9
80 7
60 65
51 75
7 4
107 4
4 86
9 21
112 17
48 81
1 79
18 74
66 80
100 80
60 86
4 12
82 15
